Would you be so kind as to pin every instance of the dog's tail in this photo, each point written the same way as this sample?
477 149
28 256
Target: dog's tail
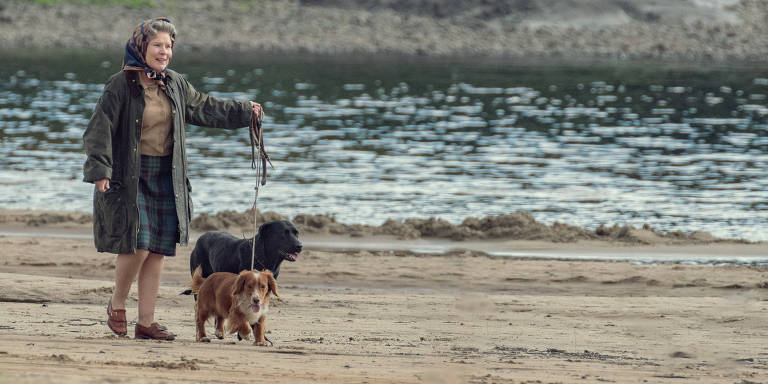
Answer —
196 282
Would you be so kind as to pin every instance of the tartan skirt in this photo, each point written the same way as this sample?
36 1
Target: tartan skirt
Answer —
158 223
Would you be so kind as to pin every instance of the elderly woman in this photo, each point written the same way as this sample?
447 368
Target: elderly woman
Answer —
137 161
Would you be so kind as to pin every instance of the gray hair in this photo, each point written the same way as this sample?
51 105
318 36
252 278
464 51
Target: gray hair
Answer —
157 25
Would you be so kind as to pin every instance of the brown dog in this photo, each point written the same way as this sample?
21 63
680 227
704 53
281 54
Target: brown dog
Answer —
243 300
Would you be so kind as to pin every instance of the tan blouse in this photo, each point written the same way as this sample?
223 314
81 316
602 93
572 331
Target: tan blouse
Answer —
157 124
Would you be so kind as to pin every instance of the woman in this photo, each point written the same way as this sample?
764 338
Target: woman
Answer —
137 161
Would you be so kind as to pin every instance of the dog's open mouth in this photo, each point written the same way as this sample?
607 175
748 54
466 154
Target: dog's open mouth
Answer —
255 307
290 256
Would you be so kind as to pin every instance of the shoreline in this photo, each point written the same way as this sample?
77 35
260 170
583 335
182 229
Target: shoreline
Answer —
719 31
187 55
519 226
322 233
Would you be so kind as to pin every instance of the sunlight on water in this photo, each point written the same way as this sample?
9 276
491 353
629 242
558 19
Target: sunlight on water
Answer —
674 148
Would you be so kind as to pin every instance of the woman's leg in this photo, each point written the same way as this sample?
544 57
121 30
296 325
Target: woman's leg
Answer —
128 264
149 283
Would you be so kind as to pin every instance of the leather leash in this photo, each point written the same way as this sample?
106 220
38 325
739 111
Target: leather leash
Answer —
257 145
259 160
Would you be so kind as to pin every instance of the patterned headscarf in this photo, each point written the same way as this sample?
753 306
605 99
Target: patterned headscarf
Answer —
136 50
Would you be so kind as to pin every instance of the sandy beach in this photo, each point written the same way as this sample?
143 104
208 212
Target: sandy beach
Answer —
383 315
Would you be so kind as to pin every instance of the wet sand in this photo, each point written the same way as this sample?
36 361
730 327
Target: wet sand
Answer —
395 316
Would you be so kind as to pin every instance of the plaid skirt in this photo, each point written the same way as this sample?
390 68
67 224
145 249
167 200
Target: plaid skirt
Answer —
158 223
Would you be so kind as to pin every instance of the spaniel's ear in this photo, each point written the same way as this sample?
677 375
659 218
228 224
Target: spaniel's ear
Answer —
239 286
272 283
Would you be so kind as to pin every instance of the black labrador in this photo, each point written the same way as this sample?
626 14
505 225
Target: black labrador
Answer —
276 241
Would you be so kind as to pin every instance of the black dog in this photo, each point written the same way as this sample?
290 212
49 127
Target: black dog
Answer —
221 252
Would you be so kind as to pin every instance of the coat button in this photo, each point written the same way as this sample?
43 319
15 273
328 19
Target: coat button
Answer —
137 120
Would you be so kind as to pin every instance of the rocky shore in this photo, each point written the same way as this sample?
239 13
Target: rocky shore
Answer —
513 226
517 226
695 30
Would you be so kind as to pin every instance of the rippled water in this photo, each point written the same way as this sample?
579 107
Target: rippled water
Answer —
365 139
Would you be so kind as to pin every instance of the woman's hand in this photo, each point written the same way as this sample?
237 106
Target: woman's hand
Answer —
102 184
257 110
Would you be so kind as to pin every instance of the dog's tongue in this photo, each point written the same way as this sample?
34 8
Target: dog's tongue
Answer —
255 307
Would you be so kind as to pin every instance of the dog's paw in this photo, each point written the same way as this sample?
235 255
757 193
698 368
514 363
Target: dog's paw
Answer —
219 335
242 337
203 340
261 343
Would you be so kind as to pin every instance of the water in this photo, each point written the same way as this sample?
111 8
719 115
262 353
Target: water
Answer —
365 139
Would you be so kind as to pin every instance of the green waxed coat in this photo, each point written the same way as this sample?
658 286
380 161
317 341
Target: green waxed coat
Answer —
111 142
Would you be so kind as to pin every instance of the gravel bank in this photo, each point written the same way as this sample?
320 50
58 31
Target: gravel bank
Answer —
717 30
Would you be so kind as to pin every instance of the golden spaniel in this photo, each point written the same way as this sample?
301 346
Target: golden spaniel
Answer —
242 299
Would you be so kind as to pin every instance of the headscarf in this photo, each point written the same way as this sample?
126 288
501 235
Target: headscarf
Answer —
136 50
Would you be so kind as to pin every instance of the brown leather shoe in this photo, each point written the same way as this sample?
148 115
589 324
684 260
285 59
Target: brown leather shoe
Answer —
116 320
154 332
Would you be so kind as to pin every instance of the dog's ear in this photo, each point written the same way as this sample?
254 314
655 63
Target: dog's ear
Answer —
272 284
239 286
263 230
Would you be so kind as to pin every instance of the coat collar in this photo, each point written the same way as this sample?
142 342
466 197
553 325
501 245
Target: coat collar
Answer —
132 77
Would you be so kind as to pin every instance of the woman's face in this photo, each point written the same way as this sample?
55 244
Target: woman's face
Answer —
159 51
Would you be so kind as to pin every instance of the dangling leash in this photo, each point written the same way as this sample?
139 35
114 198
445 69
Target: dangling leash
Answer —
257 145
258 155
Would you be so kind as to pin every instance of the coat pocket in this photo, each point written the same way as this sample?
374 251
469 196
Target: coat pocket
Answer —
114 212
